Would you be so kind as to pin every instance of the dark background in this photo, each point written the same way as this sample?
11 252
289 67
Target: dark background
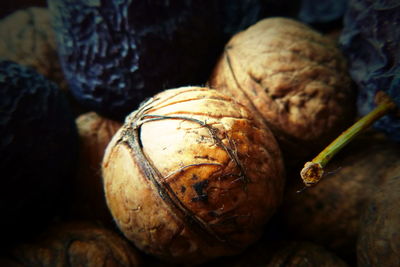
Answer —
8 6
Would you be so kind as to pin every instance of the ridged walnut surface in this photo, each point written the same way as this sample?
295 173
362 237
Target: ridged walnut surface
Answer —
293 77
209 177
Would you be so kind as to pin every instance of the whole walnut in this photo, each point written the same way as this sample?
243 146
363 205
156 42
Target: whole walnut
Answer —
76 244
26 37
192 175
293 77
95 132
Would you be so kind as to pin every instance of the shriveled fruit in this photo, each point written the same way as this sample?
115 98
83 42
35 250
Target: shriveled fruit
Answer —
38 150
293 77
192 175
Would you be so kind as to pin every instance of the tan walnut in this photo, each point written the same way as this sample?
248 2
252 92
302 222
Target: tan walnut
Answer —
293 77
192 175
95 132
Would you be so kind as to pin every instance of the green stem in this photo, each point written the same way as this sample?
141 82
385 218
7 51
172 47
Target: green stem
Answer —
313 171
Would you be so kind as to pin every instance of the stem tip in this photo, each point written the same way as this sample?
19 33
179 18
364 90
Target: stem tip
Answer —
311 173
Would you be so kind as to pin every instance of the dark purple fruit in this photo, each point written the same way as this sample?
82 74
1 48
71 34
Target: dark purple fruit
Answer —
370 39
116 54
38 145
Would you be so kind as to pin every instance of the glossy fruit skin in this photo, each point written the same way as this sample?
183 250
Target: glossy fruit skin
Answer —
192 175
38 149
370 39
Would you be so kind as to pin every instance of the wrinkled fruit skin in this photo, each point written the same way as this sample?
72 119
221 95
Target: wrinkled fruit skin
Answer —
38 149
195 185
291 76
116 53
77 244
370 39
379 239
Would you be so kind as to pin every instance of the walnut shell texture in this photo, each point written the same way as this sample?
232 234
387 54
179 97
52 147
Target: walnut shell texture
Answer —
192 175
293 77
28 39
77 244
95 132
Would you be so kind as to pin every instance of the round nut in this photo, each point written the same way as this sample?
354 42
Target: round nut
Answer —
192 175
293 77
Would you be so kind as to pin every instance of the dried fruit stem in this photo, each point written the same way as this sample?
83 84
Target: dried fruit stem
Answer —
313 171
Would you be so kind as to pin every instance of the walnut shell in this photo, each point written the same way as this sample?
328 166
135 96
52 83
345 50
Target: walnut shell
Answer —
379 238
192 175
95 132
28 39
293 77
77 244
329 214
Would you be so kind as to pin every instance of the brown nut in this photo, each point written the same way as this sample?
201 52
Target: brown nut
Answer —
95 132
192 175
27 38
293 77
77 244
379 239
329 214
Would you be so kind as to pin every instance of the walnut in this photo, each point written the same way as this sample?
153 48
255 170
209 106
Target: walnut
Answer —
95 132
77 244
293 77
192 175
